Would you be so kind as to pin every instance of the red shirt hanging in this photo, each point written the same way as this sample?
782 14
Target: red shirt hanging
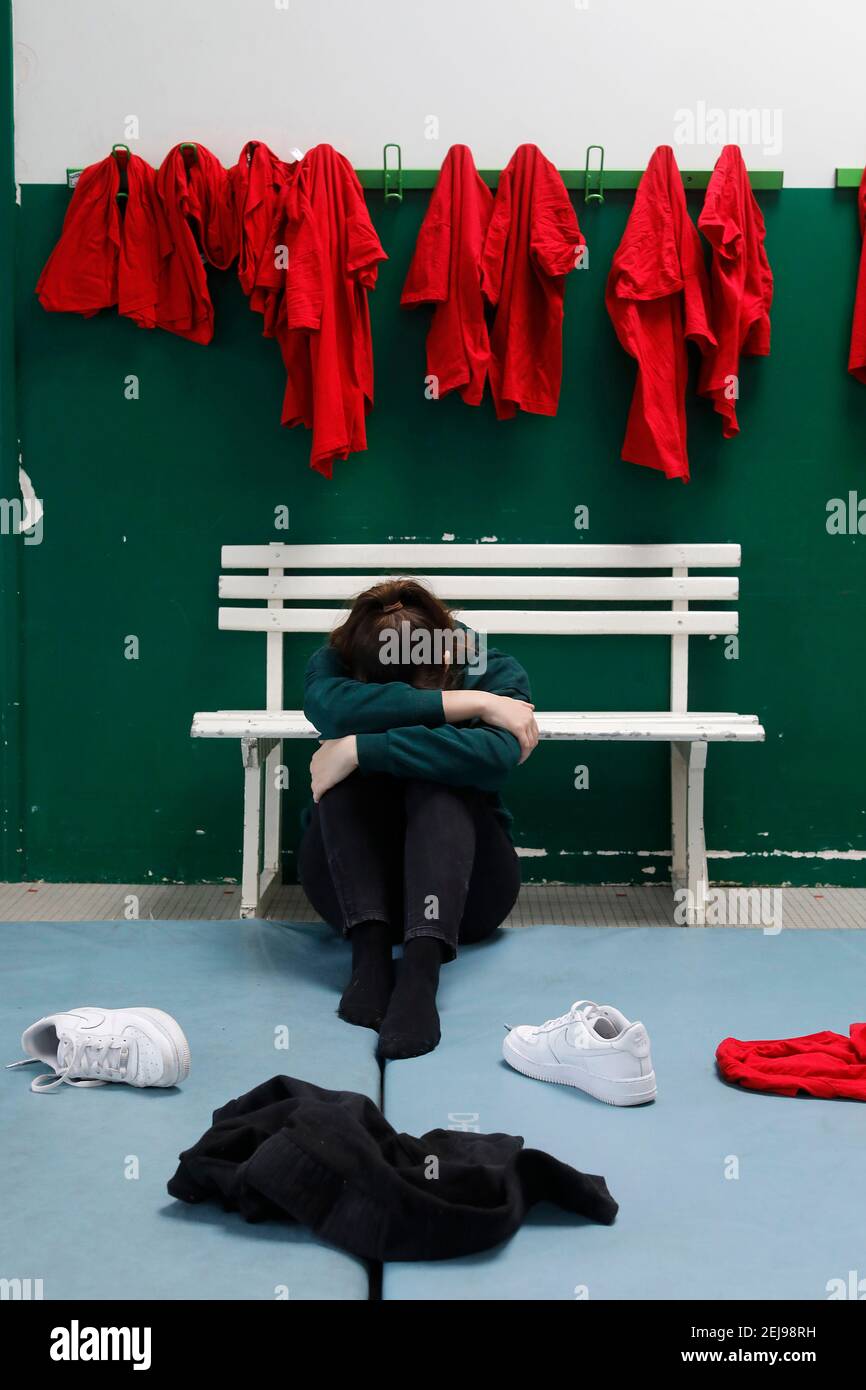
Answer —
446 271
196 196
857 354
533 241
657 297
741 283
827 1065
322 318
107 256
257 182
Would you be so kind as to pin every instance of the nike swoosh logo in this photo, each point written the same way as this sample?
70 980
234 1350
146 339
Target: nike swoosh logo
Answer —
88 1024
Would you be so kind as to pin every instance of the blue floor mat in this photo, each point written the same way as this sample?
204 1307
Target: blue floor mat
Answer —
73 1217
787 1225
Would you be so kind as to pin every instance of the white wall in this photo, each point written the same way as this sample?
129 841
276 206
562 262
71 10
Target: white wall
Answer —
561 73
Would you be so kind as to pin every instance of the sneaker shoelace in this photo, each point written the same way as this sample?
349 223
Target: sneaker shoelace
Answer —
85 1062
582 1011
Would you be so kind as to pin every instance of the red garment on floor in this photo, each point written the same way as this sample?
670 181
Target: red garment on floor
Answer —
857 354
827 1065
196 196
741 282
321 316
446 271
532 243
106 256
658 296
257 182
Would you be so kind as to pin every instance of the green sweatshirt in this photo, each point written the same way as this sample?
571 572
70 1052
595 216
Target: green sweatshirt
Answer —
403 731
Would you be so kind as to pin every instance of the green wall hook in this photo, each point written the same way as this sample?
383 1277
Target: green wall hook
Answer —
116 150
598 195
392 178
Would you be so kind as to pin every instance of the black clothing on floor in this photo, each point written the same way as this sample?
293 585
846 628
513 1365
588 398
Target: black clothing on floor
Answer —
330 1160
428 859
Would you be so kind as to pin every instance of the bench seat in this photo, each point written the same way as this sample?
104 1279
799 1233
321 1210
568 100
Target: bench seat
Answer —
606 725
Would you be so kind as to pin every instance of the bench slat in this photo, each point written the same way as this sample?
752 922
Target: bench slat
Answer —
532 588
480 556
649 726
532 622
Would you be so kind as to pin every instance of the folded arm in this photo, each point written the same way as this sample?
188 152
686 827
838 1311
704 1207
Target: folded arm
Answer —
464 757
339 705
471 737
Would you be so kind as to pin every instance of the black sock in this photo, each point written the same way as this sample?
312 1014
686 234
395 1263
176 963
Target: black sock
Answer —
411 1025
366 996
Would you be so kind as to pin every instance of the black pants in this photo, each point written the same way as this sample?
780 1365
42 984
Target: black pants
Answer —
428 859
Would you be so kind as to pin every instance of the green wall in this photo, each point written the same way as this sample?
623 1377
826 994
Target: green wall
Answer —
139 496
10 741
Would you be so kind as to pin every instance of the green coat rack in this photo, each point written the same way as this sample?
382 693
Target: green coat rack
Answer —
393 180
572 178
848 178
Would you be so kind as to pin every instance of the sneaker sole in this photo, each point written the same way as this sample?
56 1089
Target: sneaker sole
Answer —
640 1090
175 1037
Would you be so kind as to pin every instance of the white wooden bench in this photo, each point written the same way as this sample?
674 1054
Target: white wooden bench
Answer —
291 577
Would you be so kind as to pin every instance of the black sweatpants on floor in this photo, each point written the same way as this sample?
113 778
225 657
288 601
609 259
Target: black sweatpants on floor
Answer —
430 860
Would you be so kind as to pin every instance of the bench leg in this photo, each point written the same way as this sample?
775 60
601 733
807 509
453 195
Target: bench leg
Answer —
679 814
695 869
272 868
688 764
257 883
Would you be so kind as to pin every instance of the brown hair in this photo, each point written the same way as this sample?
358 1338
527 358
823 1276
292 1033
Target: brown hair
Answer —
387 616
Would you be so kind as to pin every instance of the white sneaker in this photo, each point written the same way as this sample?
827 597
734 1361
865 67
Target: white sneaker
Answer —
593 1047
89 1047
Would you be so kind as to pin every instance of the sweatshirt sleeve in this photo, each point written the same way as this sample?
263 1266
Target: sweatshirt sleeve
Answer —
456 755
339 705
504 676
459 755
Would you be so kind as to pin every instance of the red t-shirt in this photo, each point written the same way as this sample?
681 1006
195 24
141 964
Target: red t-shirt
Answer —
106 255
257 182
741 282
446 271
532 243
319 310
827 1065
196 197
657 296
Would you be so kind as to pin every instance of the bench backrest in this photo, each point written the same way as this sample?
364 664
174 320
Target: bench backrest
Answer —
294 575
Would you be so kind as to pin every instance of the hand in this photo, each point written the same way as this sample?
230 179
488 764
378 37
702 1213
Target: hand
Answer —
335 760
517 716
